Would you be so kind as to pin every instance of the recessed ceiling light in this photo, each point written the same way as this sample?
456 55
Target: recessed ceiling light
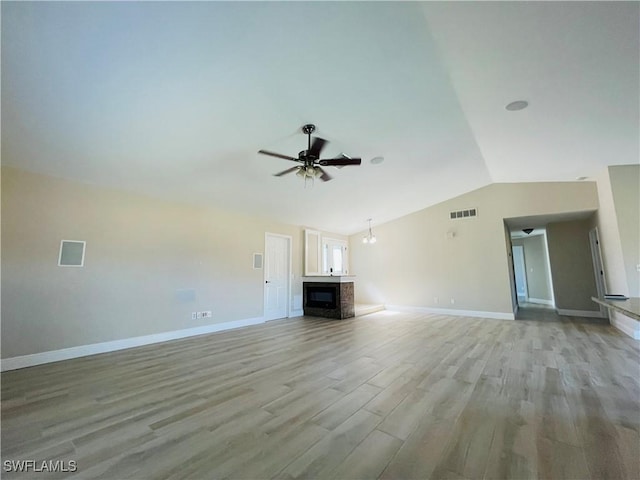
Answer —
517 105
377 160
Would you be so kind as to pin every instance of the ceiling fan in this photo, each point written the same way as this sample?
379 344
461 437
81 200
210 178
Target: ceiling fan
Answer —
310 162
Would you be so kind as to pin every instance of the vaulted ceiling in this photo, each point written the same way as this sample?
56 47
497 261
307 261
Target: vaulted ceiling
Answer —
175 99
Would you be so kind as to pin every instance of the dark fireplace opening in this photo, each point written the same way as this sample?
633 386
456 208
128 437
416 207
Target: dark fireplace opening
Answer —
321 297
328 299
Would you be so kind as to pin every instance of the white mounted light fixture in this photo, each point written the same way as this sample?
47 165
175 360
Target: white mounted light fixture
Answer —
517 105
369 237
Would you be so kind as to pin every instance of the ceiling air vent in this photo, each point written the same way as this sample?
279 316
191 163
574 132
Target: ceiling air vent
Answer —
470 212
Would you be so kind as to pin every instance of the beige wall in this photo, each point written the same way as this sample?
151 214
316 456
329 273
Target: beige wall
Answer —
415 261
143 258
618 222
625 188
572 265
607 222
535 255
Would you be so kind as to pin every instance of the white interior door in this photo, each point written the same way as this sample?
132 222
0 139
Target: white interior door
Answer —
520 269
277 268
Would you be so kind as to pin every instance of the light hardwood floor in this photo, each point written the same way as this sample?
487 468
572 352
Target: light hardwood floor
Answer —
388 395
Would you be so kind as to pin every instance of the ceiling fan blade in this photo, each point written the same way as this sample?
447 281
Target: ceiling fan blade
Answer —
342 155
279 155
325 177
316 147
284 172
340 161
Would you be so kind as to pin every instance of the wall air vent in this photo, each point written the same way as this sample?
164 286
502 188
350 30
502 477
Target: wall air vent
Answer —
257 261
71 253
469 212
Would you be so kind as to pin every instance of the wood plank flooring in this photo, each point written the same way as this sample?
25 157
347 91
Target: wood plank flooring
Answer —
387 395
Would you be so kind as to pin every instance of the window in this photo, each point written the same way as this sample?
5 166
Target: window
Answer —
325 255
335 259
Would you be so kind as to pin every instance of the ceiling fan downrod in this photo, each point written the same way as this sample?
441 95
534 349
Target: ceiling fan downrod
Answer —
308 129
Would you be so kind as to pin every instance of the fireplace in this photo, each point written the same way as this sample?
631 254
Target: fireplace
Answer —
322 297
328 299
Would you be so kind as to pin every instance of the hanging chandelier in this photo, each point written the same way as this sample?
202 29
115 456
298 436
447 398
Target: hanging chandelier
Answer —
369 237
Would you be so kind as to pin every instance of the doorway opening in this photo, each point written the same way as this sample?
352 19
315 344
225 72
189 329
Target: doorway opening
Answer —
520 273
532 280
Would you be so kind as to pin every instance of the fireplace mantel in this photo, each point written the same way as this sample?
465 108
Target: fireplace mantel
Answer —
330 278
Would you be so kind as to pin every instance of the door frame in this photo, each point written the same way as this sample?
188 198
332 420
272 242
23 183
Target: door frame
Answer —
289 269
547 260
598 266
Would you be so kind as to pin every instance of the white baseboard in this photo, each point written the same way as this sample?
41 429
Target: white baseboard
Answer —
626 325
296 313
541 301
580 313
24 361
448 311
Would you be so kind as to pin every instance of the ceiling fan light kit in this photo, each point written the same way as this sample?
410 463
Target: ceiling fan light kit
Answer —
310 162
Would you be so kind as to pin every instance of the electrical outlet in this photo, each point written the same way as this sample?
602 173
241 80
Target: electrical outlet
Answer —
194 315
207 314
199 314
453 300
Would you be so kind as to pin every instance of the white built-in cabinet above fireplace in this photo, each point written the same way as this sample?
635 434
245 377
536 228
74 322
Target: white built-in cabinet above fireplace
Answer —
325 256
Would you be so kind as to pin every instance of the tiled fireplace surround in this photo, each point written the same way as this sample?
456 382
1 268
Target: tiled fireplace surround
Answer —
341 289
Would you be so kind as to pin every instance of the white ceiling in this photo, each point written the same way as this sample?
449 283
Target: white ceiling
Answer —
175 99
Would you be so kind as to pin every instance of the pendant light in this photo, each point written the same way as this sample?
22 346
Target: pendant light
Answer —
369 237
